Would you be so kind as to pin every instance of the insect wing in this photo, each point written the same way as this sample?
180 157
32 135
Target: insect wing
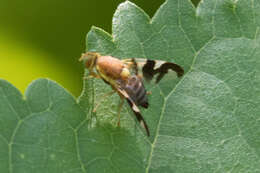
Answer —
135 89
154 69
135 110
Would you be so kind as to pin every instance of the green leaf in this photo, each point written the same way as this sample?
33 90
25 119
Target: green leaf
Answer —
208 121
39 134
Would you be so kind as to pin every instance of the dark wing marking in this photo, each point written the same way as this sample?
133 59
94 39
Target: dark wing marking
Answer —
152 68
135 109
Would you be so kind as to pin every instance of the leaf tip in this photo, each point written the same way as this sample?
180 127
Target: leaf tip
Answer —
126 6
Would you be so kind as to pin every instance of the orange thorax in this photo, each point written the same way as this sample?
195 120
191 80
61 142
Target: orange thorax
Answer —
110 67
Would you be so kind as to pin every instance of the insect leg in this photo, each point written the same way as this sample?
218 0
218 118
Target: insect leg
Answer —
135 109
102 99
149 92
95 75
119 110
92 75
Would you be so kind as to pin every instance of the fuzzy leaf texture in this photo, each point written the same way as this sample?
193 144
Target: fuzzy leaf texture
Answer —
208 121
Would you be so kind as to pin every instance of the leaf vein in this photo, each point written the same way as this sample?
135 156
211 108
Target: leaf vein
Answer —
10 105
78 151
180 26
10 145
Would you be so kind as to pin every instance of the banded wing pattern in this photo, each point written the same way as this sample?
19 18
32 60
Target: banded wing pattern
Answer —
150 70
136 90
157 69
135 110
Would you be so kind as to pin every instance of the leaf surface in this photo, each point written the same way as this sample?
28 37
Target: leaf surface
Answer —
39 134
208 121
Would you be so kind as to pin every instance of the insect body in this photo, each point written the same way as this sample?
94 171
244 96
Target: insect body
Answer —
126 78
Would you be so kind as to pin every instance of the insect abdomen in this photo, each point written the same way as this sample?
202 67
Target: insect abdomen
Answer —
135 89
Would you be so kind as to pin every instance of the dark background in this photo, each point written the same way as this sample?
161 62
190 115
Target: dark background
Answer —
45 38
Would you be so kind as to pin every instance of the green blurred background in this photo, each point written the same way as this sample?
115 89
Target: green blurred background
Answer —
45 38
